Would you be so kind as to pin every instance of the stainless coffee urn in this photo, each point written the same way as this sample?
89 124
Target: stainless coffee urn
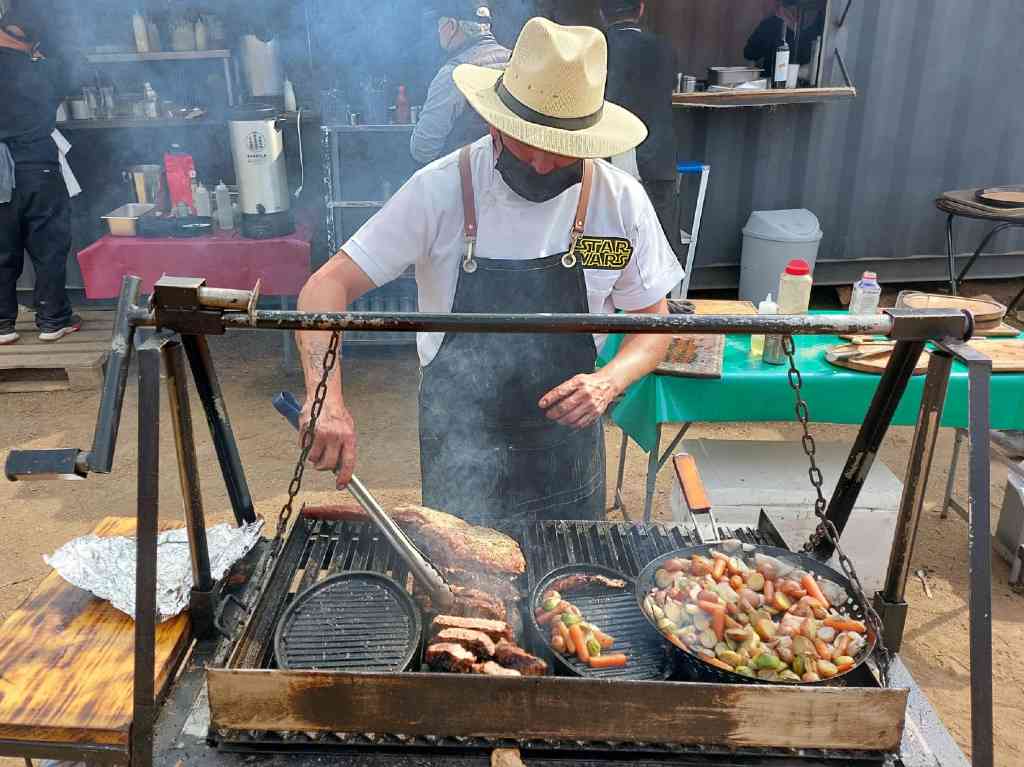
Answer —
257 145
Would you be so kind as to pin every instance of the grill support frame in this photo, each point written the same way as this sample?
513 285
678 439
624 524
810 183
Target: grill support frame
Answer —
181 306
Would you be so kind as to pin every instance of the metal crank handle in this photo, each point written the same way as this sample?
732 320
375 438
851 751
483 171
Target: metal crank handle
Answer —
286 404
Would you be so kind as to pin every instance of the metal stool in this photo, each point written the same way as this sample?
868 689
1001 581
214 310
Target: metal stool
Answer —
689 239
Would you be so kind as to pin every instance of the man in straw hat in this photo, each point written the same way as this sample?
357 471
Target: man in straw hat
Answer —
525 221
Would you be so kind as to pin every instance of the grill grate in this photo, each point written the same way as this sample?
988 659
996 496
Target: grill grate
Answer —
316 550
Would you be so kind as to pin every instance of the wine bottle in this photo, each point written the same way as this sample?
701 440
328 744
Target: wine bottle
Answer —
781 61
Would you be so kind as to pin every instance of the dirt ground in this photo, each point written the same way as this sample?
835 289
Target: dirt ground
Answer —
36 518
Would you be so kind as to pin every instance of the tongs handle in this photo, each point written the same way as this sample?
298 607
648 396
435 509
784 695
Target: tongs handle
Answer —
440 594
696 498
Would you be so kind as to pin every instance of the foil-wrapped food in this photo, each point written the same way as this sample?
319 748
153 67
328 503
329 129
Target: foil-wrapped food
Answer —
105 566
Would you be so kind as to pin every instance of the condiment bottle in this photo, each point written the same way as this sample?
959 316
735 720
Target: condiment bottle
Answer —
140 30
795 288
765 307
202 201
794 298
781 73
403 115
225 216
290 102
867 294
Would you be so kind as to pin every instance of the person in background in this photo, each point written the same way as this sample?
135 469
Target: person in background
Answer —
641 78
446 122
765 39
35 210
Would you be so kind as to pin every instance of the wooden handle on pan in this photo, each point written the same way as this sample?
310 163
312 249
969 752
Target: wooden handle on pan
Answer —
691 483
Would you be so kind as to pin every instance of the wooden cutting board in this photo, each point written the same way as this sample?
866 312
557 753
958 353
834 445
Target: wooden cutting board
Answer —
1007 356
67 662
875 364
701 356
986 313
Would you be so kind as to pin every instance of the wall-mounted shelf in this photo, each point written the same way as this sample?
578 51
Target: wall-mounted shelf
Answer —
765 98
131 57
355 204
198 122
345 128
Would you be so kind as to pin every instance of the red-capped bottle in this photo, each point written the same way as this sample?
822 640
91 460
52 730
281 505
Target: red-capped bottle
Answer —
403 113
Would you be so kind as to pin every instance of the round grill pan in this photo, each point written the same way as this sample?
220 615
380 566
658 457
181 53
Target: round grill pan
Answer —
614 612
694 669
355 621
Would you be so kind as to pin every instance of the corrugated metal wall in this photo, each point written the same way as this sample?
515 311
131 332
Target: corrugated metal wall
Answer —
939 107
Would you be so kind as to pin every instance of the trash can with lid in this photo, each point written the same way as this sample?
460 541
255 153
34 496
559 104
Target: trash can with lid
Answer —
771 239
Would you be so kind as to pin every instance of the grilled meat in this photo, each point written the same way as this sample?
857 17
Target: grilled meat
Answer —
496 630
477 642
499 585
570 582
447 541
450 657
469 603
511 656
490 668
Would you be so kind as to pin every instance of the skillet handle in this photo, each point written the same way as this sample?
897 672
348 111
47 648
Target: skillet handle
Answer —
696 498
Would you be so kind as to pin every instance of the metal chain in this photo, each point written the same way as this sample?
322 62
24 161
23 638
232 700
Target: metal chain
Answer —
826 529
330 360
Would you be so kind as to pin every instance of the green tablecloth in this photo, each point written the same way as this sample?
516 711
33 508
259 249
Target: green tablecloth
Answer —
752 391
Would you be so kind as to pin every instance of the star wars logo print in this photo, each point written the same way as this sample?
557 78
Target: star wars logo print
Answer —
611 253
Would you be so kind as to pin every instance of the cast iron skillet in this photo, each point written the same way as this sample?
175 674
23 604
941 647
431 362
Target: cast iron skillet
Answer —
354 621
695 668
614 612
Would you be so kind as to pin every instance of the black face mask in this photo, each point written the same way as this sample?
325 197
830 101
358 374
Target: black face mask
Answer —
533 186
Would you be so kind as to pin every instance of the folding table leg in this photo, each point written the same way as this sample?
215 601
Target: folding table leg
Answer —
947 500
655 462
620 504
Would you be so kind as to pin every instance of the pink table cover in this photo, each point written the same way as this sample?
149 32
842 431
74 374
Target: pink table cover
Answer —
225 259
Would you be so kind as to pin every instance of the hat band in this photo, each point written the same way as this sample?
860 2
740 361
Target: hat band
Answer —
539 118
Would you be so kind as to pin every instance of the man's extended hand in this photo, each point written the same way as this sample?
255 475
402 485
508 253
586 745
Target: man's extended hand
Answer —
334 446
580 401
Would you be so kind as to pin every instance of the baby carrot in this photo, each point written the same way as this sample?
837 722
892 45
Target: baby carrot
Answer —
813 589
615 660
576 632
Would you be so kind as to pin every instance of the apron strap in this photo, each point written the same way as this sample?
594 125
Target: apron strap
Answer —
579 223
468 210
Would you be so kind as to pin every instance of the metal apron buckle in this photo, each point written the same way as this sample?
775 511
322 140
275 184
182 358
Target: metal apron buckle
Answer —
569 259
468 262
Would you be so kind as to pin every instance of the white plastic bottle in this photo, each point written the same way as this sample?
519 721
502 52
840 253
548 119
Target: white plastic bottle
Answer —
867 294
794 298
795 288
141 31
225 216
757 342
290 103
202 201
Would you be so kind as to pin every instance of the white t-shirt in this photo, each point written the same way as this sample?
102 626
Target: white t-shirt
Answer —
633 265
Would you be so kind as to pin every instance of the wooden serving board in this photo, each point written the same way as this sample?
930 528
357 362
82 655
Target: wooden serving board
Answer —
67 660
1007 356
701 356
987 313
875 364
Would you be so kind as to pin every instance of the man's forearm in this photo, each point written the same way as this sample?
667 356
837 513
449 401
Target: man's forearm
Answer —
336 285
638 355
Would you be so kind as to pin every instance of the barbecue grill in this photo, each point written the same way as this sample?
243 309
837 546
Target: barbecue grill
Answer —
257 707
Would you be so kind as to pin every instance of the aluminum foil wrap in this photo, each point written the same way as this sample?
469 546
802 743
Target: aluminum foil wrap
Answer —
106 566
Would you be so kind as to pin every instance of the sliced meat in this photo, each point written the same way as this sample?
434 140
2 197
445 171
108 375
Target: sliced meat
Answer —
450 657
496 630
477 642
514 657
570 582
490 668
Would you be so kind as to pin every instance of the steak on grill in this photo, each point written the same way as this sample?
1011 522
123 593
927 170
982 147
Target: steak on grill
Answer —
570 582
511 656
469 603
490 668
447 541
477 642
496 630
450 657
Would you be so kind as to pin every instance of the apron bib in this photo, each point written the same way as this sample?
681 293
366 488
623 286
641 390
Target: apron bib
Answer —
488 454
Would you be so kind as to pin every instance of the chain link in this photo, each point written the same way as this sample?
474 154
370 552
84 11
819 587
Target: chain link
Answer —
330 360
826 530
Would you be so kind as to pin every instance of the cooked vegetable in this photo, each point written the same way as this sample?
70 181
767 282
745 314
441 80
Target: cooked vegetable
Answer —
557 643
576 633
614 660
551 603
571 619
755 615
593 646
563 631
606 641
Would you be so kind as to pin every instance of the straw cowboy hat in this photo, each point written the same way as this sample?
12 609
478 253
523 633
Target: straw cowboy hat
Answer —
552 94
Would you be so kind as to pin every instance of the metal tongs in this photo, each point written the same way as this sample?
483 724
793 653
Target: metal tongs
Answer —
430 578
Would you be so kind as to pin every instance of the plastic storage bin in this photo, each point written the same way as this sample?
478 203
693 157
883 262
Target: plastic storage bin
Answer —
771 239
